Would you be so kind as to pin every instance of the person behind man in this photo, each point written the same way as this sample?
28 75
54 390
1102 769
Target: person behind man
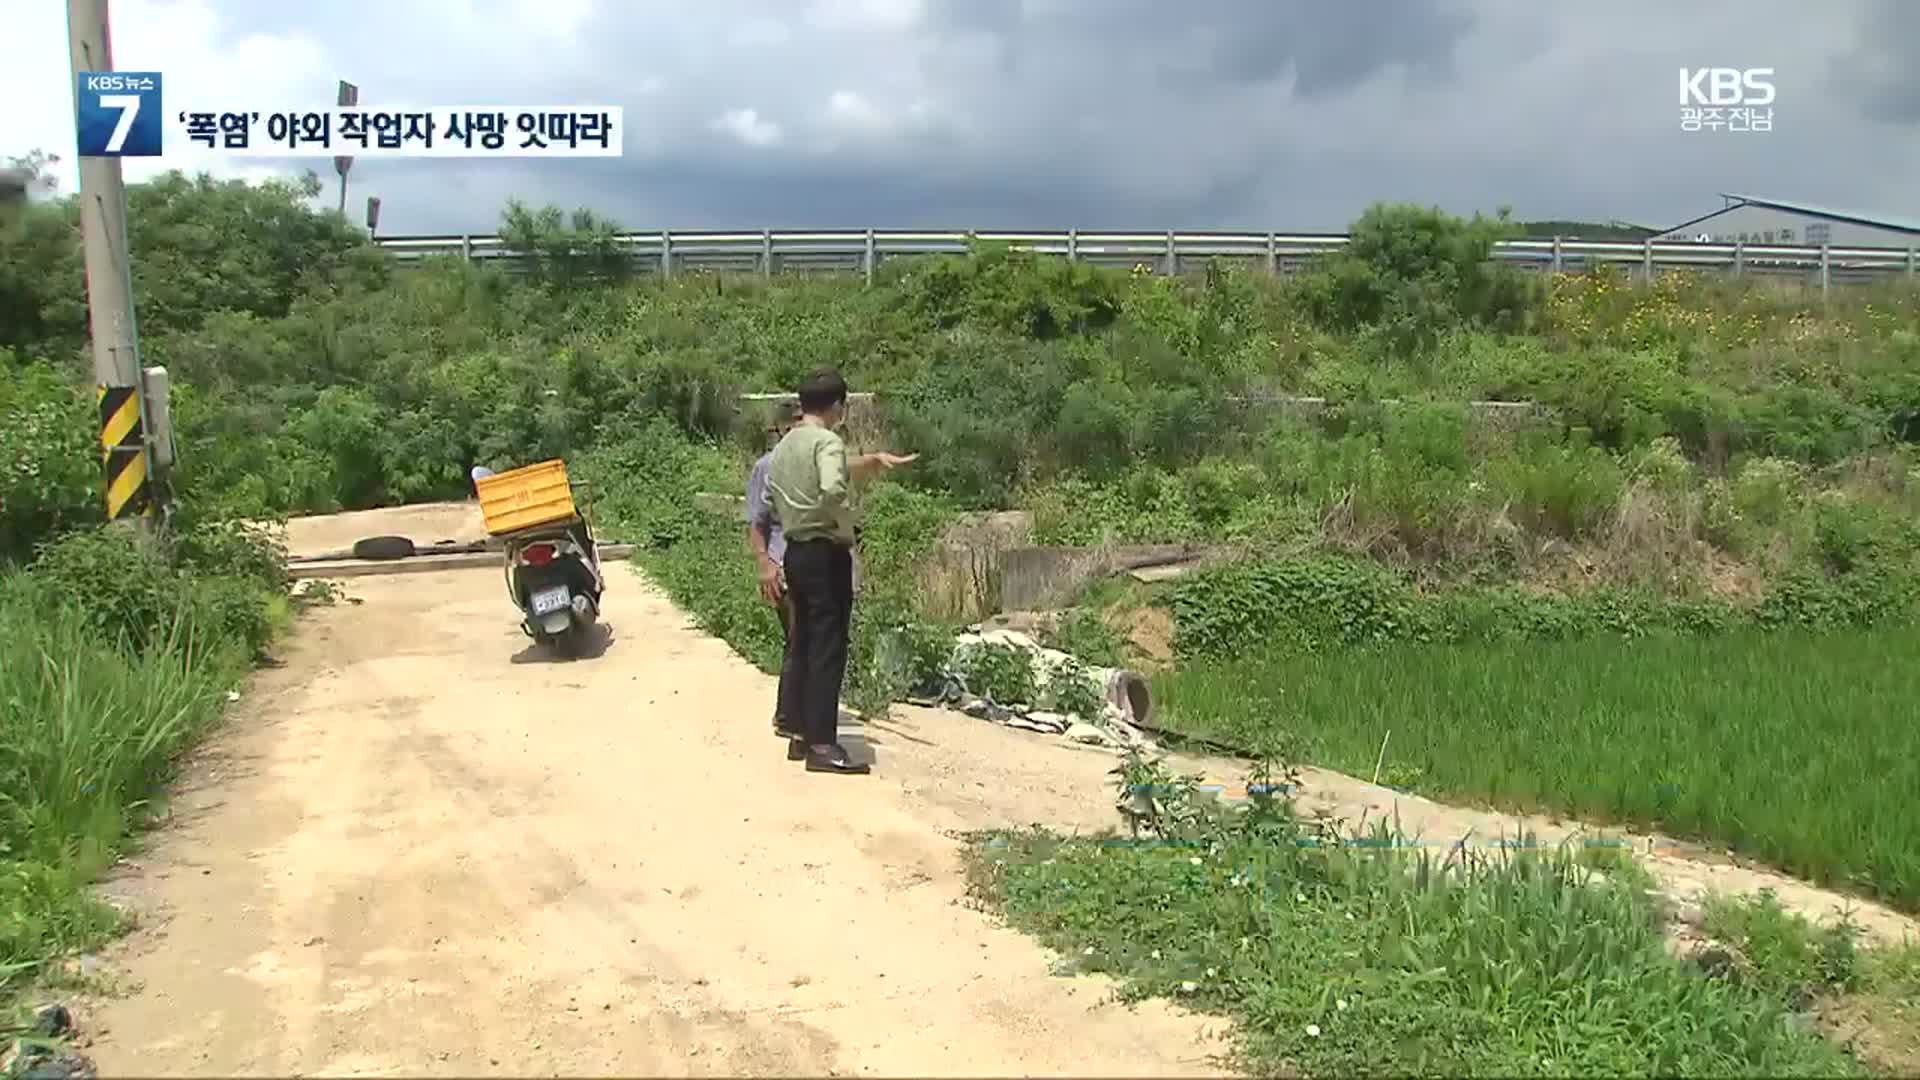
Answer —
809 476
769 548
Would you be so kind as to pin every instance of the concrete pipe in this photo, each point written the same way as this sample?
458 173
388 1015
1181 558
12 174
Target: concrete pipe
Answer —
1129 692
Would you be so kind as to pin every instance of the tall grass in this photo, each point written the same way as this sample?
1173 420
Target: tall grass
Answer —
1794 748
88 733
1337 960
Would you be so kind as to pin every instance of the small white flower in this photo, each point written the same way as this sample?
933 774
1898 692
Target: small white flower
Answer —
1244 942
1212 974
1313 1030
1156 954
1300 897
1341 1004
1189 987
1349 916
1088 951
1195 860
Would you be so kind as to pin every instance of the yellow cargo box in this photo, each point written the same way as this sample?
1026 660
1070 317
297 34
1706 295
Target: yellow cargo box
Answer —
525 497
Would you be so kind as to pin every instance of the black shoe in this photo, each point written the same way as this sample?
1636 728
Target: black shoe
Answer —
796 748
835 761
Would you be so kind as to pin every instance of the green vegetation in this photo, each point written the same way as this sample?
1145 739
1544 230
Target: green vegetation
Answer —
1586 230
1676 588
1792 748
115 655
1365 959
117 649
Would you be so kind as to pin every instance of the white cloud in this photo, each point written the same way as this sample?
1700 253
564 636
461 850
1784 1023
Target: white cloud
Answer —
748 126
848 109
879 15
204 65
850 114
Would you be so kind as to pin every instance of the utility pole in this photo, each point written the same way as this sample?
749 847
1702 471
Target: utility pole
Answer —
116 353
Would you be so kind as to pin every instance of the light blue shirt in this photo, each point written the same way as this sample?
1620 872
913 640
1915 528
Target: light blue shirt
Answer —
760 510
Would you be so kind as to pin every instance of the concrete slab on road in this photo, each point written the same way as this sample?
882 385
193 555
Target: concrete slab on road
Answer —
426 525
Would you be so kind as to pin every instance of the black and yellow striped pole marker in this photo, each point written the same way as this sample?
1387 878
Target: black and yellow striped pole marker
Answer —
123 451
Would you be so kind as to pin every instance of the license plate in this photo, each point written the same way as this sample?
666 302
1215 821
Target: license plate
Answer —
548 601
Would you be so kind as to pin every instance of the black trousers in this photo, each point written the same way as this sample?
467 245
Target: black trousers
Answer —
820 599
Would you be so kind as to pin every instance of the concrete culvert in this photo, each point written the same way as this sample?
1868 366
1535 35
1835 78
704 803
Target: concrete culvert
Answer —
384 547
1132 687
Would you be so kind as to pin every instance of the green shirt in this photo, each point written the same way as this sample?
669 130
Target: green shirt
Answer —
807 479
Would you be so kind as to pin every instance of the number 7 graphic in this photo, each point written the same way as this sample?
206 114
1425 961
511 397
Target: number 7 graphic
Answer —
129 106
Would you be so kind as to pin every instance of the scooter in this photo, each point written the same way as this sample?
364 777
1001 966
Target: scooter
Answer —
553 575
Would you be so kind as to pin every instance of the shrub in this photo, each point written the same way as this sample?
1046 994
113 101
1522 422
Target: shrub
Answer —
119 579
1301 604
1011 291
645 481
139 589
1558 490
229 548
1073 691
1083 635
1003 673
49 458
1408 275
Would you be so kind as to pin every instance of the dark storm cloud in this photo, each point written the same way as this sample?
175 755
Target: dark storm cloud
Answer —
1135 114
1325 48
1883 71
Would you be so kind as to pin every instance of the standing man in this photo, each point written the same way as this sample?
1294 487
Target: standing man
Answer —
769 548
809 476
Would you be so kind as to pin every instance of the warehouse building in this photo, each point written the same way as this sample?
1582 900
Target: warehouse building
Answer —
1750 220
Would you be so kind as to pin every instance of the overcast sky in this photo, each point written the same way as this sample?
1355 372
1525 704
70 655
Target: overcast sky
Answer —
1097 114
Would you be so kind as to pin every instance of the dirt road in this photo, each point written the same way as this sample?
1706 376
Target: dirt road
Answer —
421 848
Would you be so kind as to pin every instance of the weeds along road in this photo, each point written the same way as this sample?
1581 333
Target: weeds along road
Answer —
420 848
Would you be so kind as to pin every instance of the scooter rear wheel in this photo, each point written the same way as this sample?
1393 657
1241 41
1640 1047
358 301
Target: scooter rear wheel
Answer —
571 642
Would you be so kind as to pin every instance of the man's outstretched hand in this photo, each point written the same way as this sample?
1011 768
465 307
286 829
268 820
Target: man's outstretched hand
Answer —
882 462
866 466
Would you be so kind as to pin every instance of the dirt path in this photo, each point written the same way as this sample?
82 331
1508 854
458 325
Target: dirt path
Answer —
420 848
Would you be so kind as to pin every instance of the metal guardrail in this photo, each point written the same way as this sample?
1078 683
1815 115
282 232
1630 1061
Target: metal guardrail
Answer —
861 251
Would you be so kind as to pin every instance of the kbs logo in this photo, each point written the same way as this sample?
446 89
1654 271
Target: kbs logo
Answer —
1726 86
118 113
1726 99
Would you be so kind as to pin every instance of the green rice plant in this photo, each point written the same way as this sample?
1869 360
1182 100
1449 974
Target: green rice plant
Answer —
1795 748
